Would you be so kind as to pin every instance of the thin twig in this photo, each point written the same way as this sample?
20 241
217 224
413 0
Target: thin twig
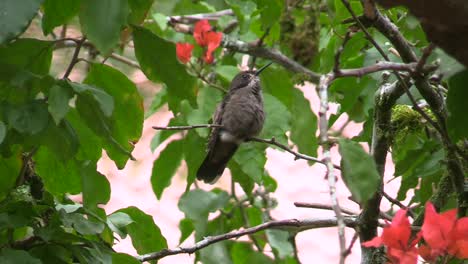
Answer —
125 60
324 207
351 245
259 44
189 19
347 37
379 66
271 141
384 55
325 82
297 155
74 59
398 203
186 127
203 78
425 55
295 225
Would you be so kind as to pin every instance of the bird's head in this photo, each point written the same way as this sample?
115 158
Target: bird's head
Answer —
247 78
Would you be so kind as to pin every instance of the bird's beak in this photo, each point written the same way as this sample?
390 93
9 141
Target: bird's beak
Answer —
262 68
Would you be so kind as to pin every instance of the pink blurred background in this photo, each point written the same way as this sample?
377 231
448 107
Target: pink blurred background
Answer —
297 182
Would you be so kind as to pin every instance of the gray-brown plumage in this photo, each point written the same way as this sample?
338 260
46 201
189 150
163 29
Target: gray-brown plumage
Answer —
241 116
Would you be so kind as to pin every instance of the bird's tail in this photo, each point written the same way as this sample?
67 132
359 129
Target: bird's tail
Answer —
216 161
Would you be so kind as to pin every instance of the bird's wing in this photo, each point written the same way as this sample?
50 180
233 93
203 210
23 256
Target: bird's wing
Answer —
217 120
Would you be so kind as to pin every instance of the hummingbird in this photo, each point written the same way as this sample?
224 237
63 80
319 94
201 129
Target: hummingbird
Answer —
239 117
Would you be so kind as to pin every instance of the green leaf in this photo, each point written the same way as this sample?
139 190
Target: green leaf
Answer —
207 100
117 223
121 258
449 66
158 61
303 125
165 166
58 12
162 135
279 241
270 11
62 140
251 159
105 101
11 256
127 117
95 186
227 72
239 176
59 177
10 168
138 10
15 17
457 122
417 158
278 119
30 118
92 149
355 102
358 170
194 151
243 10
102 22
3 131
59 98
243 253
82 224
186 229
51 253
29 54
197 204
146 236
216 253
158 101
277 82
96 253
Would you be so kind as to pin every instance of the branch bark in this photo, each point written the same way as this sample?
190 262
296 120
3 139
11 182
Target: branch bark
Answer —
294 225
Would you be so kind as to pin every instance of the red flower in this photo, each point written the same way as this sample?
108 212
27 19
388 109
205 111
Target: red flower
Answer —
444 233
207 38
201 28
184 51
214 40
396 237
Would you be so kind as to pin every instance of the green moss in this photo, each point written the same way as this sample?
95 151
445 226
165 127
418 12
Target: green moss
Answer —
406 121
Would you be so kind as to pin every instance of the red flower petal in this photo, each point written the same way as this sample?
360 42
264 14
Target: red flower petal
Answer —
199 31
184 51
427 253
459 249
213 40
398 256
375 242
397 235
437 228
458 245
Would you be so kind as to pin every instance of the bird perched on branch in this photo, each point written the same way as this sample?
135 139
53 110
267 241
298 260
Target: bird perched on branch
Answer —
240 116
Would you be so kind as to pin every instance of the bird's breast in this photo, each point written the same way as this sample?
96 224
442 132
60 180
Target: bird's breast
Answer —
243 115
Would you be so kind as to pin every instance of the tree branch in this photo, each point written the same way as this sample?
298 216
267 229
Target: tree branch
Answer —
288 224
186 127
436 104
74 59
325 82
271 141
189 19
270 54
323 206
